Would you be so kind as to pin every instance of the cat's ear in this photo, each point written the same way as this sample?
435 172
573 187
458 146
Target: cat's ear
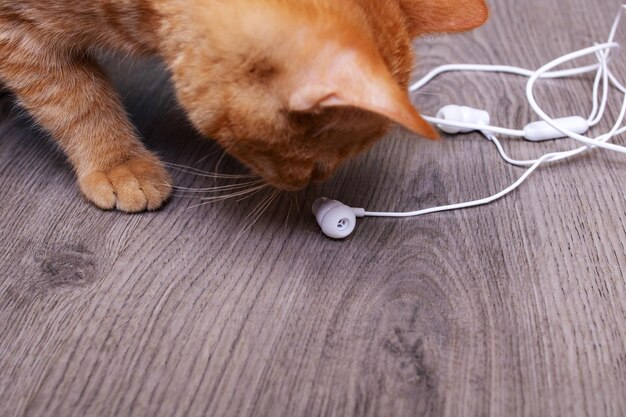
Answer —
359 79
444 16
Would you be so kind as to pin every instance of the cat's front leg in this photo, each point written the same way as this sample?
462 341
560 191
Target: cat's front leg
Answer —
73 100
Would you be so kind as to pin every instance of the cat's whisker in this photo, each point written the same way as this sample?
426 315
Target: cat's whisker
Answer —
260 211
185 196
218 189
215 199
286 223
234 194
201 160
219 161
295 199
256 209
251 194
206 174
259 206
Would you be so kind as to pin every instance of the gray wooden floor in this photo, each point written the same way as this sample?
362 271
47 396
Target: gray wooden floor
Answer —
514 309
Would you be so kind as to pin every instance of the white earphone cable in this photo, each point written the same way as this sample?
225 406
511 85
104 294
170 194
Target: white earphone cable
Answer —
603 80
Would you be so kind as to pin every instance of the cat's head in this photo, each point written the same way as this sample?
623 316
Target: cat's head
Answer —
294 88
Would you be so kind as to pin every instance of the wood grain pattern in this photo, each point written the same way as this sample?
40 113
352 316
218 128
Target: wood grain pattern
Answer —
514 309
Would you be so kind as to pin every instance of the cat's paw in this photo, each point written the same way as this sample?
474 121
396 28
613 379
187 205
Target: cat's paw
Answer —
137 185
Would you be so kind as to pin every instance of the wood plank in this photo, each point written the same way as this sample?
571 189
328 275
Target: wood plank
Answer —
516 309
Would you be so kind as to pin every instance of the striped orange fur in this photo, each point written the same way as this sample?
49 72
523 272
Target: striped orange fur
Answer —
290 87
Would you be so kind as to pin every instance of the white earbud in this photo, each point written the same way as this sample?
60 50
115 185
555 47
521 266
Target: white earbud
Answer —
541 131
462 114
337 220
453 119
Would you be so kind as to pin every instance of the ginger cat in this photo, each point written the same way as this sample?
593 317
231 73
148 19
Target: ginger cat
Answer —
289 87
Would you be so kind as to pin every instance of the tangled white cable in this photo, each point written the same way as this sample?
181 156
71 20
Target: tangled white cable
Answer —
339 221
